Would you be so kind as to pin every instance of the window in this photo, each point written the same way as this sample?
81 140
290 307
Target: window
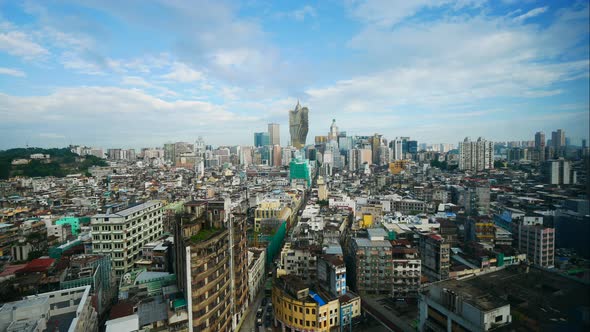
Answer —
499 318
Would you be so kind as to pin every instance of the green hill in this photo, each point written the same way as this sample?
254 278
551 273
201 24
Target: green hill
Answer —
62 163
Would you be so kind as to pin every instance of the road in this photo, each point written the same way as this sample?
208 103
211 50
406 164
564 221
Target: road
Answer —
249 323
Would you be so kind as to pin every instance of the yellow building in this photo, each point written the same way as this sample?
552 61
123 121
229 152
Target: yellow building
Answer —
270 208
297 308
366 221
398 166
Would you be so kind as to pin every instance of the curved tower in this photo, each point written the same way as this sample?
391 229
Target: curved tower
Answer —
298 125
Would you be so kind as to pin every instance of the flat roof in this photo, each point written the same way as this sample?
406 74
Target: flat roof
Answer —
363 242
128 211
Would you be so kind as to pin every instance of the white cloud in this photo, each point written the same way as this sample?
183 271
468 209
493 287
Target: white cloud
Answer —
20 44
183 73
12 72
531 13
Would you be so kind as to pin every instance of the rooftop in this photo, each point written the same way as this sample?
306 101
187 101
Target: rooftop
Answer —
128 211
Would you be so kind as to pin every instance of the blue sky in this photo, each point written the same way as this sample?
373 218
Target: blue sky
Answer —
139 73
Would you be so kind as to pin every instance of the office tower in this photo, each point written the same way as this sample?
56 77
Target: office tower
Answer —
298 125
558 142
396 146
274 134
211 261
540 145
122 234
413 147
435 256
333 134
276 155
261 139
476 156
557 172
375 141
169 152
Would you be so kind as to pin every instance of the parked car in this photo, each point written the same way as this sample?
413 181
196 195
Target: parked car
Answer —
259 313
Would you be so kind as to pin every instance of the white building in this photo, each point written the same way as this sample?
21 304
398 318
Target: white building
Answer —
122 234
256 276
476 156
458 305
67 310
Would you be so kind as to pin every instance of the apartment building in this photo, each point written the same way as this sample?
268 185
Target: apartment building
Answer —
406 270
122 234
538 243
435 256
300 260
371 264
211 259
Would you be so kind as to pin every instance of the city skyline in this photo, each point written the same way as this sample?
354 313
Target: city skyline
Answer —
501 70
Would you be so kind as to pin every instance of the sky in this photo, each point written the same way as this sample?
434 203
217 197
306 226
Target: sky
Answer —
137 74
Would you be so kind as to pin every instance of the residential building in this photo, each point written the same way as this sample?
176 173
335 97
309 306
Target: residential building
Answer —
558 172
122 234
211 267
300 260
370 265
406 270
256 272
64 310
476 156
298 307
537 242
435 256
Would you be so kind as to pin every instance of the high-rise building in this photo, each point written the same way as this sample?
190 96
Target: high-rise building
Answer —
540 145
261 139
396 146
558 172
276 155
537 242
122 234
298 125
371 264
333 134
558 142
211 260
476 156
274 134
435 255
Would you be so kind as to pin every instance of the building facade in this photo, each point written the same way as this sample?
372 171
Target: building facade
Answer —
298 125
476 156
122 234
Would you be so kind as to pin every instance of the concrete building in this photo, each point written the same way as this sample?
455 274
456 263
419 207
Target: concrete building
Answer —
211 257
435 256
406 271
122 234
455 305
297 307
298 125
476 156
300 261
558 172
256 271
540 145
63 310
274 133
537 242
370 263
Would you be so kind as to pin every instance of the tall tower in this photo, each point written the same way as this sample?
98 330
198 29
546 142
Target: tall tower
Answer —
333 134
274 134
298 125
540 145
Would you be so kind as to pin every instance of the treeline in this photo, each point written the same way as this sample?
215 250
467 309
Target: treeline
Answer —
63 162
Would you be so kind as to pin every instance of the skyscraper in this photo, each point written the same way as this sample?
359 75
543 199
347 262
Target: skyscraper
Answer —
476 156
333 134
298 125
261 139
396 146
558 139
274 134
540 145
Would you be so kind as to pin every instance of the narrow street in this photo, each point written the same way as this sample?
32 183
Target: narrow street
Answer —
249 323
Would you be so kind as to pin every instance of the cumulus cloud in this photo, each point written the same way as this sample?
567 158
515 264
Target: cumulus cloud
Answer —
20 44
12 72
